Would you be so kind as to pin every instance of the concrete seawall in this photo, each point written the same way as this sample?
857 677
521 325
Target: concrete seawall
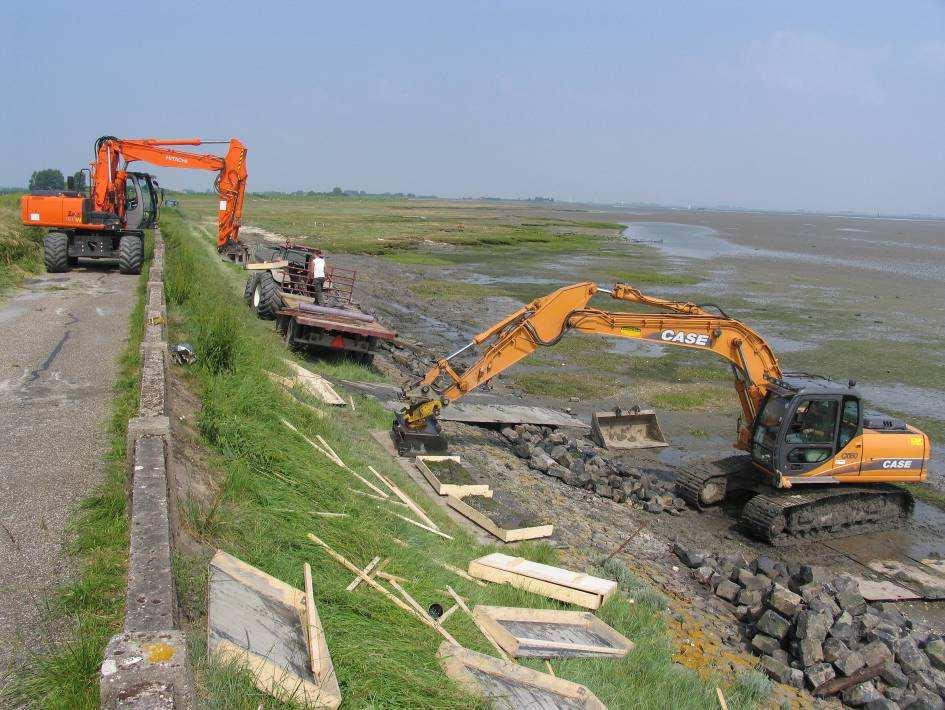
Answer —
147 666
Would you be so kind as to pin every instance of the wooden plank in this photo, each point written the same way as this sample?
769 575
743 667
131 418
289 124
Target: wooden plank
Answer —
421 525
722 704
538 690
548 573
374 497
936 564
418 511
315 633
315 384
536 586
837 685
388 595
487 524
485 631
450 489
367 570
448 613
459 572
266 265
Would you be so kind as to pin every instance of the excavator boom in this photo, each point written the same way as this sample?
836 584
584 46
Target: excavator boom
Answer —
113 155
544 321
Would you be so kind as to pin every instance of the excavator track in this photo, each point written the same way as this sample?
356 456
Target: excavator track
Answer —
705 483
784 518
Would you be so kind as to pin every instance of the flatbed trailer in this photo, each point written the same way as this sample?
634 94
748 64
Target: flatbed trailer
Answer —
311 326
279 288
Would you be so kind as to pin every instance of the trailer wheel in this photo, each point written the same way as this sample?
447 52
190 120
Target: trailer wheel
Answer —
249 288
56 252
130 254
266 298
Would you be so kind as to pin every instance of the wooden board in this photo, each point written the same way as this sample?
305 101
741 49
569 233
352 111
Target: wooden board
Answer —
450 489
316 385
512 687
266 265
562 634
931 586
505 535
260 622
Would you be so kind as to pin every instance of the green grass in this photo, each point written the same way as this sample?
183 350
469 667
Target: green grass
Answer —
269 480
21 247
562 385
66 675
692 398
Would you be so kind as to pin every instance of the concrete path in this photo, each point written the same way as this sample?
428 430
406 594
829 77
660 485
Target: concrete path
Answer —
60 338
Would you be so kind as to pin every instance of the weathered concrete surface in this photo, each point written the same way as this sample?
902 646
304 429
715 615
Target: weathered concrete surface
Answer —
60 338
145 670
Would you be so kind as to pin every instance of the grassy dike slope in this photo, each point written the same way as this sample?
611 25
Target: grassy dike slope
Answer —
21 247
269 480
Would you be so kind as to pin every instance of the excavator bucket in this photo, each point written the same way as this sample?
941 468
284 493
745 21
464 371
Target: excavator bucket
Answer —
627 429
409 441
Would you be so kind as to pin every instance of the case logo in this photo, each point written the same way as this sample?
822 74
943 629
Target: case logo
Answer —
897 463
678 336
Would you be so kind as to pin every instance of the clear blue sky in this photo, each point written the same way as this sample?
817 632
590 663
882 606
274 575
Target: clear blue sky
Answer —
817 105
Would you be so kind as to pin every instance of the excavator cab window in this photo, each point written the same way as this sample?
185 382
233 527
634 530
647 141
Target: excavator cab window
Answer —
765 439
849 421
811 433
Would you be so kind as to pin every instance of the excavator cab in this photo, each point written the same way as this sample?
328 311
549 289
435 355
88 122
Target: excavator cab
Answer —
141 201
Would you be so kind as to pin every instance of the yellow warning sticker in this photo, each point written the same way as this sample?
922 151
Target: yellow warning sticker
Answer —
915 441
630 331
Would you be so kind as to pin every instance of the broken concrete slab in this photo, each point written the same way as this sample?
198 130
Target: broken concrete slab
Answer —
876 591
485 409
930 585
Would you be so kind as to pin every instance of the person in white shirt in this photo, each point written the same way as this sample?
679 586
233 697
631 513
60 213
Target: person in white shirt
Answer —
317 274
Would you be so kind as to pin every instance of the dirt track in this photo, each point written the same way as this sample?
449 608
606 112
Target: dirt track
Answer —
60 338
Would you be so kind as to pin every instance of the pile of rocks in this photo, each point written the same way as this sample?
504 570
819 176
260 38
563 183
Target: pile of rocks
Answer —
583 464
810 628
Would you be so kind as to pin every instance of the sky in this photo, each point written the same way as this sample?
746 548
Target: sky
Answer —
805 105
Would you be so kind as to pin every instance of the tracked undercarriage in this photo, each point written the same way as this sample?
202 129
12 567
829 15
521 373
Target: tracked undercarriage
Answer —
790 516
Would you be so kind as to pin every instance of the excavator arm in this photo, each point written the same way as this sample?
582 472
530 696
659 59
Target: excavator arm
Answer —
113 156
544 321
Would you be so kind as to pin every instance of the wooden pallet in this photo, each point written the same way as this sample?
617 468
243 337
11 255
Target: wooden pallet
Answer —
450 489
511 687
503 534
552 582
551 633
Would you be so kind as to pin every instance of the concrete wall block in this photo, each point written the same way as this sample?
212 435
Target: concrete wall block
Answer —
156 296
150 602
153 393
147 670
146 426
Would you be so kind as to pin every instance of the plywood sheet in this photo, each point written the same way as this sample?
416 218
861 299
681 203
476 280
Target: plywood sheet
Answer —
513 687
316 385
257 620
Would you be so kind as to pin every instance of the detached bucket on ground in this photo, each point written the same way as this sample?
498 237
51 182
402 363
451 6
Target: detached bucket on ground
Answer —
627 429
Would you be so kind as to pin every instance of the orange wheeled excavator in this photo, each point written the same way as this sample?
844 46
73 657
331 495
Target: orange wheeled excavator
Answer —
110 222
816 464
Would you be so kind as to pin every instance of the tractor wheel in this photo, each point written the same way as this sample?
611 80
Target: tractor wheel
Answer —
249 288
56 252
130 254
266 298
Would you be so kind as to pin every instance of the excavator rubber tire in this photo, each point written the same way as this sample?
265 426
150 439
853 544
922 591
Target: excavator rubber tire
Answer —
249 287
130 254
266 298
56 252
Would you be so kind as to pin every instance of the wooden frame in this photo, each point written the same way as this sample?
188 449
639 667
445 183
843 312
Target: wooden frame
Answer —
463 666
450 489
533 646
291 681
505 535
265 265
552 582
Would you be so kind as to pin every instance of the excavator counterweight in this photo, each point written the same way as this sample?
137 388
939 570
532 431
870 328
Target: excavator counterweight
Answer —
798 431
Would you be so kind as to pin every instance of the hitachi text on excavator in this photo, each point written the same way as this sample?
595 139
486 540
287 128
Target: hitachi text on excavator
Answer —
816 464
109 223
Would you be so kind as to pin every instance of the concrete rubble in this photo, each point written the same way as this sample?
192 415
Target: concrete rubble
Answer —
809 627
581 463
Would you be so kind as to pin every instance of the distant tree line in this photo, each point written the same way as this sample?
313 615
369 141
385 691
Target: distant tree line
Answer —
53 179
